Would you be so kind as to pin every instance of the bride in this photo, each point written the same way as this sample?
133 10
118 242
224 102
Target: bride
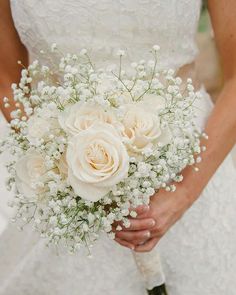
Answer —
193 228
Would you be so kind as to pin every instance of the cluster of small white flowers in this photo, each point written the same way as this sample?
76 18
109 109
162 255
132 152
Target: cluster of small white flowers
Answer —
56 210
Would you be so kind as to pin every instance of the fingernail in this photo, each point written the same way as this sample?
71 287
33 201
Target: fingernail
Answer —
147 234
152 222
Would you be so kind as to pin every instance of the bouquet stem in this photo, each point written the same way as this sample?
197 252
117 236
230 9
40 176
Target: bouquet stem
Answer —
160 290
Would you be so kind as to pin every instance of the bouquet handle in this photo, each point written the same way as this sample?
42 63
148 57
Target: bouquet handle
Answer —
149 264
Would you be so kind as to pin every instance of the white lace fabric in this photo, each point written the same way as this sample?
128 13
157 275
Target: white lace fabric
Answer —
198 253
104 26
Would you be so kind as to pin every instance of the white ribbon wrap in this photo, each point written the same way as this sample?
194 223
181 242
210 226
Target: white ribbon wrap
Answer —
149 264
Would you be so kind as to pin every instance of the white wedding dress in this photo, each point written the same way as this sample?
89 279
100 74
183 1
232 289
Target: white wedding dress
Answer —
199 253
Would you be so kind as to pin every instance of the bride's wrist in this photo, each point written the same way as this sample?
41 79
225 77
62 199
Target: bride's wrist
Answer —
189 188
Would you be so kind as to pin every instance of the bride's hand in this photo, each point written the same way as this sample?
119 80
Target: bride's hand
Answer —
148 227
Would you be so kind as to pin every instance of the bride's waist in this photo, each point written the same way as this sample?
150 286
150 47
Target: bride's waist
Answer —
189 71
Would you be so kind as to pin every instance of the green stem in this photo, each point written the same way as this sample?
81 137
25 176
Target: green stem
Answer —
160 290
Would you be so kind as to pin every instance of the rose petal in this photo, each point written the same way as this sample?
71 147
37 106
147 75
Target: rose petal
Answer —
87 191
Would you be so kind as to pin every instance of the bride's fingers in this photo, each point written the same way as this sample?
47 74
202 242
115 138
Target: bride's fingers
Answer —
140 224
125 243
131 236
140 210
148 246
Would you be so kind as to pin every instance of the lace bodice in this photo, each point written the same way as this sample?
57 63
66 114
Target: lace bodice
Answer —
103 26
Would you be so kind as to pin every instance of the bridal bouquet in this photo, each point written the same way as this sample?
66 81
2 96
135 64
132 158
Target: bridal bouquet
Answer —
91 144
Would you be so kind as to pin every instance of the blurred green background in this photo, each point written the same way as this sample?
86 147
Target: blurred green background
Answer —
204 20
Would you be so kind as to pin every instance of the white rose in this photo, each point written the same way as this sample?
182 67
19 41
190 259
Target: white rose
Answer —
37 128
142 123
79 117
30 169
40 128
97 160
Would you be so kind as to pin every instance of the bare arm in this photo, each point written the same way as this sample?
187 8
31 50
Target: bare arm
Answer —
11 50
166 208
221 126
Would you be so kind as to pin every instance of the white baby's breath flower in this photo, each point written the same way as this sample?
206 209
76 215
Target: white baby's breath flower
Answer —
118 228
120 52
133 214
53 47
83 52
45 69
156 47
